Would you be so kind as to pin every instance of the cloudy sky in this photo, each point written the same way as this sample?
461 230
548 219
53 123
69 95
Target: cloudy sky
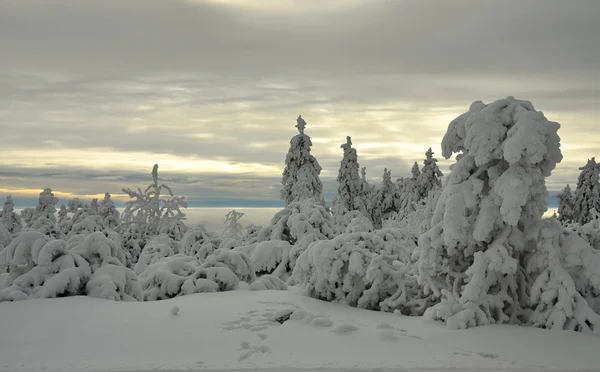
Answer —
94 92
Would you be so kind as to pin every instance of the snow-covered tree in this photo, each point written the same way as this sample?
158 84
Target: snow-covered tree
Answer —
364 194
301 174
565 205
233 229
488 256
108 212
94 205
415 171
430 175
180 275
41 267
349 181
43 218
386 200
79 210
9 218
132 241
587 194
352 269
65 222
155 208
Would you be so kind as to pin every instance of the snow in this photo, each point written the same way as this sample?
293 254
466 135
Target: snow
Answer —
238 330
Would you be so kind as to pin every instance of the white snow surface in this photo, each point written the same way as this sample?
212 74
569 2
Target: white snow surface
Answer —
238 330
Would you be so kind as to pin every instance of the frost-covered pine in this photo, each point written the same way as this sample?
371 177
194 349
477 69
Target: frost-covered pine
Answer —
473 259
587 194
9 218
301 174
91 223
565 271
94 205
132 241
43 218
108 212
565 205
364 194
300 224
386 200
234 229
430 176
154 209
415 171
65 222
349 181
79 210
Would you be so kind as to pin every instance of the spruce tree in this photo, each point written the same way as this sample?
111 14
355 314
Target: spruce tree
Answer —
349 182
415 171
565 205
301 174
386 200
587 194
9 218
429 178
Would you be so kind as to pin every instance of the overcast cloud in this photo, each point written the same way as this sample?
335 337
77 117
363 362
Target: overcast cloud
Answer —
94 92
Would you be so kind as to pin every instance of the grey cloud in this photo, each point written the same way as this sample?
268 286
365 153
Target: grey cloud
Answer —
376 37
225 83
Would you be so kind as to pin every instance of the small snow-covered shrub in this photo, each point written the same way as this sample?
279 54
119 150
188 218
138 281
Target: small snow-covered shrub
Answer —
590 232
566 286
175 229
229 243
196 238
41 268
174 276
251 233
153 252
182 275
88 225
353 269
132 241
398 243
114 282
5 237
267 282
334 270
98 250
205 250
299 219
236 261
269 257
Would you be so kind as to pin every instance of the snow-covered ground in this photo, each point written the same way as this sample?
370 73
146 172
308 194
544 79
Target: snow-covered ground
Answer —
236 331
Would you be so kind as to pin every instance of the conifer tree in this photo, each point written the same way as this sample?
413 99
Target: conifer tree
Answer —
565 205
349 182
9 218
386 200
301 174
587 194
429 178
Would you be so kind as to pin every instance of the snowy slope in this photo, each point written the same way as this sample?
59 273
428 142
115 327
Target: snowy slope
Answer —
234 331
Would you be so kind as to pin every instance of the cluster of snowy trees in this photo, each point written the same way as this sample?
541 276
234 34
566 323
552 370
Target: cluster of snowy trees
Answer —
468 249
